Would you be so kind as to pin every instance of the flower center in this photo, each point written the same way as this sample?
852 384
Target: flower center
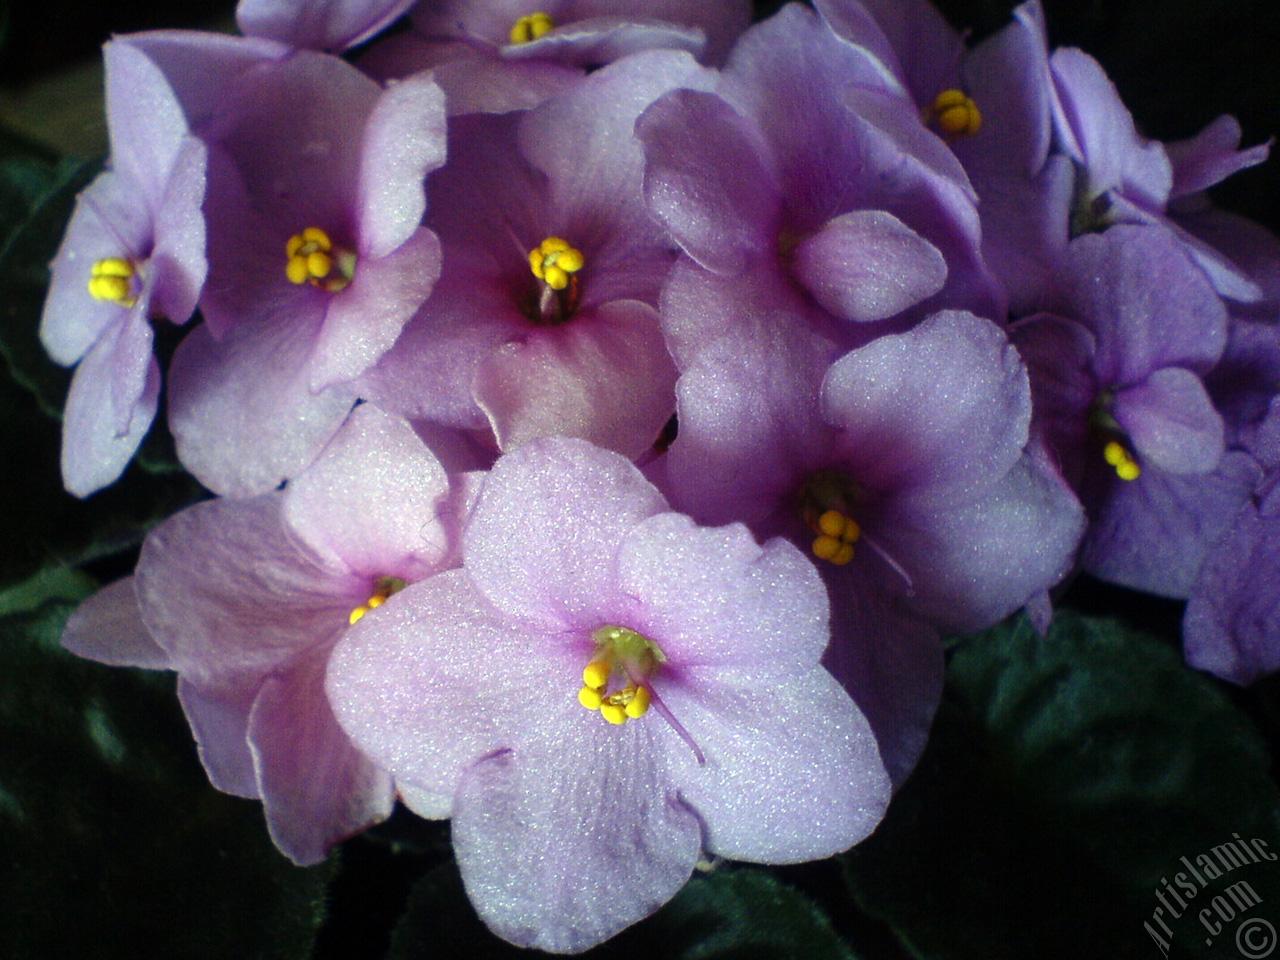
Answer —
112 279
529 28
383 588
314 258
615 680
955 114
826 507
1117 448
556 264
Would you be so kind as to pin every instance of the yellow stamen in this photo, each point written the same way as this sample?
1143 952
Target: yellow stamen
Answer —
596 674
590 697
312 257
1122 460
628 655
112 279
382 591
613 713
638 705
837 534
956 114
532 27
553 260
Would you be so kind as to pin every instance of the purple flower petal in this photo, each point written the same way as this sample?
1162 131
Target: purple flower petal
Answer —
1172 422
318 24
108 628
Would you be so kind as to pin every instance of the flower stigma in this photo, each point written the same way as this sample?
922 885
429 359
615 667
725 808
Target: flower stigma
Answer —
529 28
112 279
314 258
955 114
383 588
556 264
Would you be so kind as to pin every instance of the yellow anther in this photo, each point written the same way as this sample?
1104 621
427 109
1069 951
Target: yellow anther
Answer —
532 27
837 534
357 613
956 114
312 257
833 550
112 279
638 705
590 697
1122 460
382 591
553 260
613 713
596 674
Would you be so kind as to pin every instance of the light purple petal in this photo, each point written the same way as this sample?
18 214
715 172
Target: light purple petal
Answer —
565 502
369 502
945 406
559 861
144 119
219 719
114 395
792 773
326 25
1172 422
108 628
591 42
404 139
241 411
316 787
178 259
1211 156
868 265
605 376
707 178
926 46
713 595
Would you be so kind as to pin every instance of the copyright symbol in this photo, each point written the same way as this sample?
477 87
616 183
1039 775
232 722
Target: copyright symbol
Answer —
1255 938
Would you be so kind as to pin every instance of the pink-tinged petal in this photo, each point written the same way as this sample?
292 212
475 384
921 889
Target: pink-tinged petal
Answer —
369 502
178 259
108 222
144 119
887 657
1172 422
404 139
114 395
707 178
792 770
543 537
1211 156
945 406
557 860
605 376
868 265
219 719
108 628
316 787
364 320
1153 533
330 25
474 80
1231 624
1115 156
241 411
232 598
414 682
708 588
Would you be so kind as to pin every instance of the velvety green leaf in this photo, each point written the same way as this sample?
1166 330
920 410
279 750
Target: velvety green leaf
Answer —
1066 775
114 843
733 913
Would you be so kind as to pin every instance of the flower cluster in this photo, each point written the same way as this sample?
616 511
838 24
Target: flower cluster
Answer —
612 406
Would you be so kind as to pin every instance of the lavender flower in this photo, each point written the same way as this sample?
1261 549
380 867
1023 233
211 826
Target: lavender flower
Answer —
658 696
134 250
318 24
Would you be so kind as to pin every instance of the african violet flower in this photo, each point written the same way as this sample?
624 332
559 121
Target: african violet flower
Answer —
604 691
317 259
544 321
134 250
809 164
246 598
